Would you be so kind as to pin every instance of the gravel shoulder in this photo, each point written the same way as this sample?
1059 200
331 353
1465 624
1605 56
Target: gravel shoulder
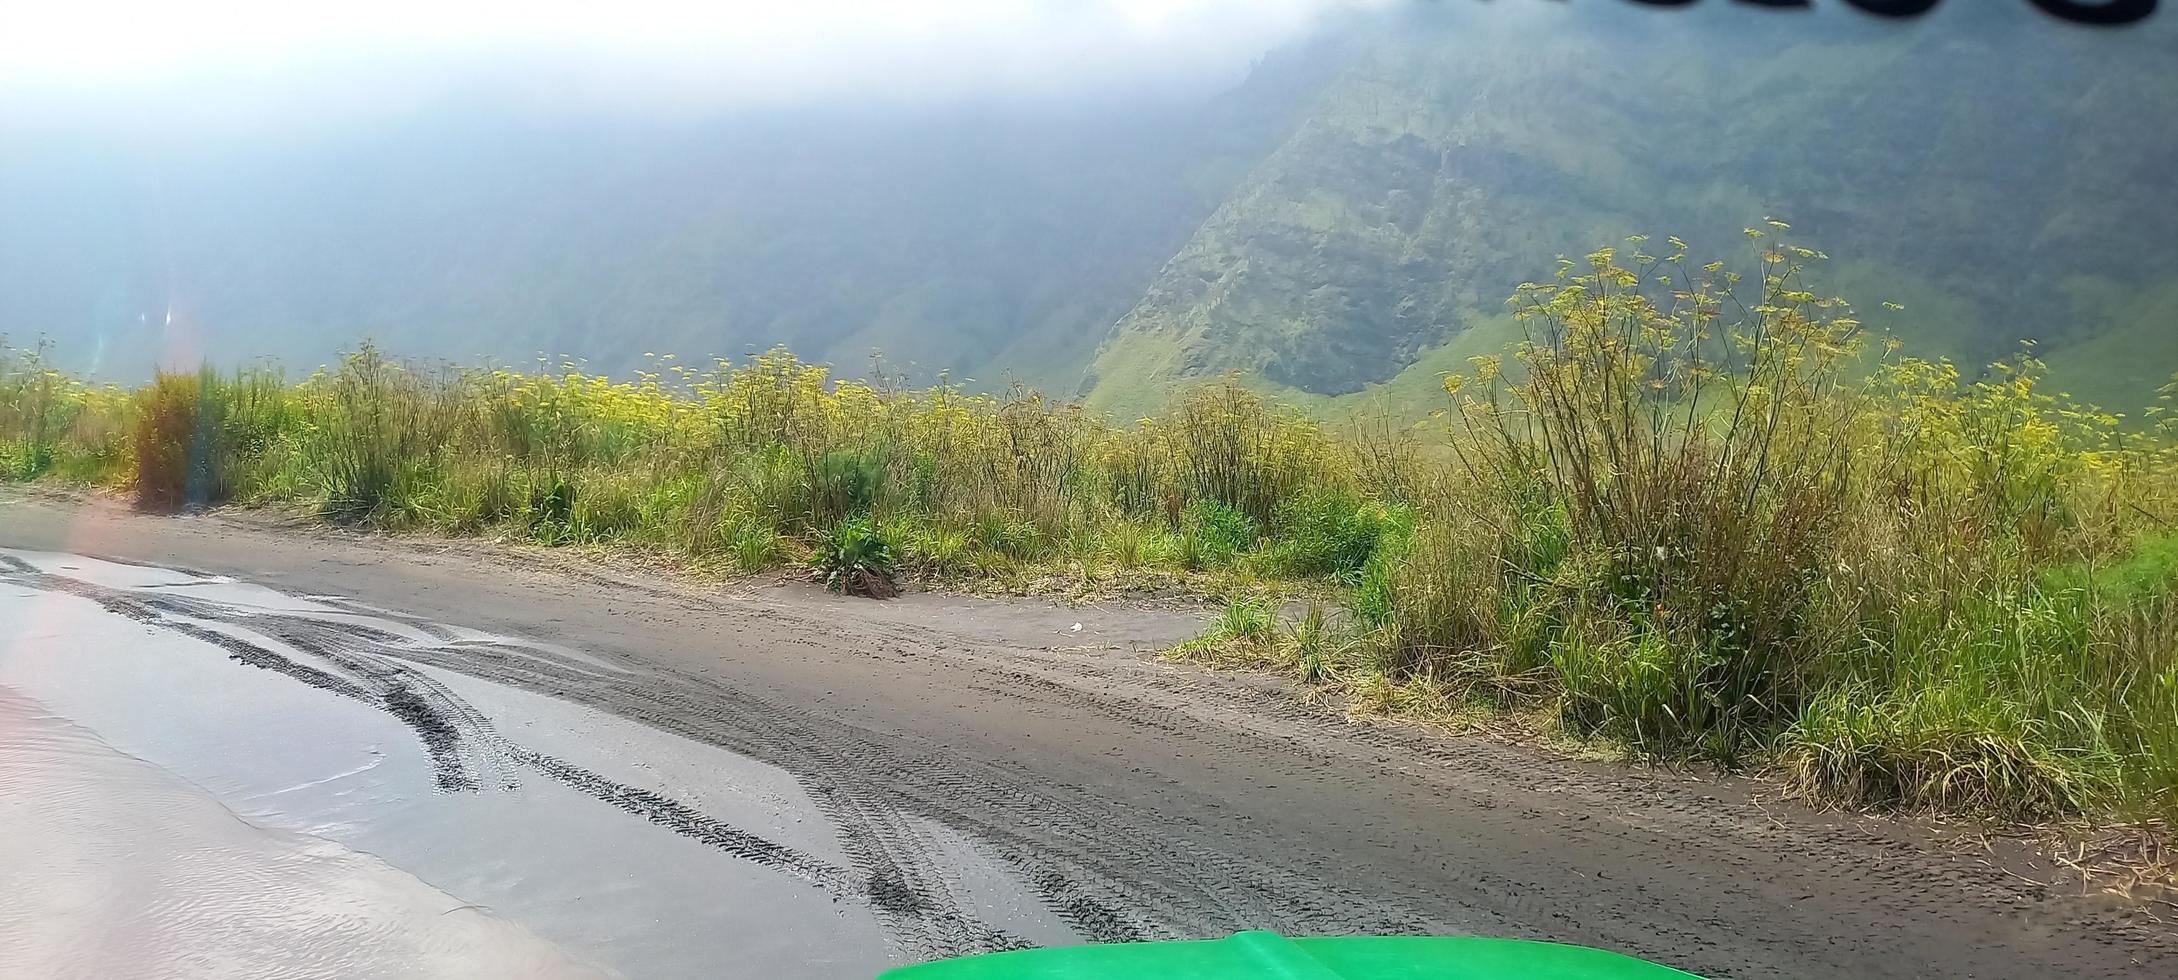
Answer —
1148 800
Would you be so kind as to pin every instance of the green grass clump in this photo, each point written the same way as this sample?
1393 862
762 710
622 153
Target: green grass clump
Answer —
1333 532
855 558
1943 749
1245 630
1215 534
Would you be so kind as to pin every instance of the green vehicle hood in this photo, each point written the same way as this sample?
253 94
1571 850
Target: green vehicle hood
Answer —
1273 957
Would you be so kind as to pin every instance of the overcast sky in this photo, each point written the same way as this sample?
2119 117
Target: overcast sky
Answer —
205 66
256 56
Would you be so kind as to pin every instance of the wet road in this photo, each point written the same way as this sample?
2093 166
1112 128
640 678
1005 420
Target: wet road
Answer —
577 769
119 868
307 740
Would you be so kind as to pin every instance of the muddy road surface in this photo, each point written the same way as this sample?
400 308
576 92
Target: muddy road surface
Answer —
481 760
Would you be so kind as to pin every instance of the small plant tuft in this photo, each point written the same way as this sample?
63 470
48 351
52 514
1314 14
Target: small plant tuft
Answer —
855 559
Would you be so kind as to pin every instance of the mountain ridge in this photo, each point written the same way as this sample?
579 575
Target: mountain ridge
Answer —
1463 173
1353 210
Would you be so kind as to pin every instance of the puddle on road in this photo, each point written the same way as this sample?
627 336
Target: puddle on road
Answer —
618 843
118 575
158 879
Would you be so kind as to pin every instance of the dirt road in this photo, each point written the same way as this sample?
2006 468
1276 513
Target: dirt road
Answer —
1136 799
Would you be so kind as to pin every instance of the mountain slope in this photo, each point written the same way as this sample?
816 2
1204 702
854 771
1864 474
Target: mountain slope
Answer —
1985 170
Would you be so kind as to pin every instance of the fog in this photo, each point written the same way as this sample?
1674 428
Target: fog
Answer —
265 61
212 68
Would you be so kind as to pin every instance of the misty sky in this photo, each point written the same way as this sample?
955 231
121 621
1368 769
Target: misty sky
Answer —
208 66
252 58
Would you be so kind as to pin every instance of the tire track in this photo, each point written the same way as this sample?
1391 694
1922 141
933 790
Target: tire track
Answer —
1101 864
1122 825
891 873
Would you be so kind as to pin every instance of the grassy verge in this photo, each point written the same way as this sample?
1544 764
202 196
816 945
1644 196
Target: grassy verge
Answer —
748 467
1690 514
1696 516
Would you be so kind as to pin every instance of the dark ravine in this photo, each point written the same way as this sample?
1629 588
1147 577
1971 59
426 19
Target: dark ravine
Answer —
1140 800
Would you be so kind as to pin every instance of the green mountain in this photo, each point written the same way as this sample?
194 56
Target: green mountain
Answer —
1340 226
1997 175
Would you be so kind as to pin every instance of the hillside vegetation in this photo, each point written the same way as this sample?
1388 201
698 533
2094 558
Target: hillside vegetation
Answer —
1986 174
1686 515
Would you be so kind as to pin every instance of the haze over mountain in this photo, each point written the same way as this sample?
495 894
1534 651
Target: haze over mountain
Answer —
1325 201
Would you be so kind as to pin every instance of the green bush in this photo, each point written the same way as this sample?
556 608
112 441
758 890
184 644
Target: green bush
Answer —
843 484
610 509
36 405
1228 444
854 558
1245 622
552 512
1373 597
1214 534
1005 536
167 437
1313 646
1331 532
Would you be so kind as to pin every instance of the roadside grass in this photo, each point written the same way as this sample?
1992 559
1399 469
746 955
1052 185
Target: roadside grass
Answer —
1701 529
1691 514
